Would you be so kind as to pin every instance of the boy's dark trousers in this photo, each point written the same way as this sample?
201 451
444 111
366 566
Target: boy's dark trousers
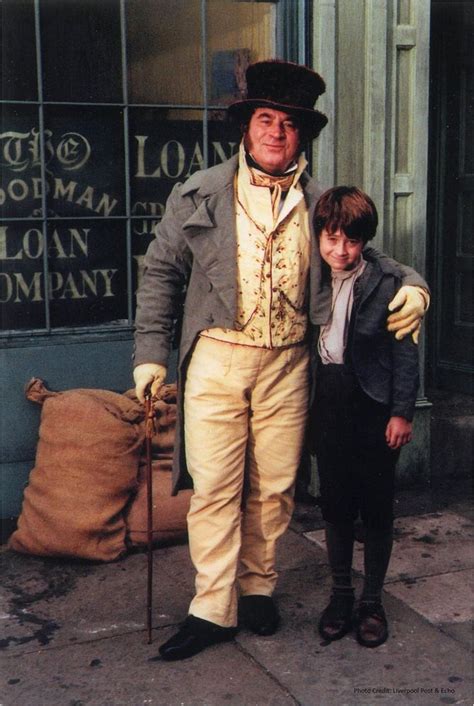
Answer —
356 471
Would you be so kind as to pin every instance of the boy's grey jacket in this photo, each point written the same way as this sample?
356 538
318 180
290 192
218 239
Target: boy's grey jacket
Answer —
196 248
386 369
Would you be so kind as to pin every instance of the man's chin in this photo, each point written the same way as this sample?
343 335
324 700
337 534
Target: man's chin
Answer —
275 166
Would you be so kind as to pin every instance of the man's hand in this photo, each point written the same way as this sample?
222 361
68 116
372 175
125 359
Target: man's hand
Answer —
398 432
148 375
413 303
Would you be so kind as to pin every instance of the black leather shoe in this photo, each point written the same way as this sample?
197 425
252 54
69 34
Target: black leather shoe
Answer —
336 618
194 636
259 614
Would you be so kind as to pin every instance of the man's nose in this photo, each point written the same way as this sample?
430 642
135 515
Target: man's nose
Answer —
277 130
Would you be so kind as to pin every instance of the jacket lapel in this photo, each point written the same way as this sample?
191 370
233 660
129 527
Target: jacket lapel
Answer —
369 281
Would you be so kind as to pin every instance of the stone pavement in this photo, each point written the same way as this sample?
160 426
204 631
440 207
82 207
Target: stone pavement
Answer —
73 632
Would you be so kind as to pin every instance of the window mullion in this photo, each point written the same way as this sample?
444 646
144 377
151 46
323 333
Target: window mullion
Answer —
39 65
123 41
205 91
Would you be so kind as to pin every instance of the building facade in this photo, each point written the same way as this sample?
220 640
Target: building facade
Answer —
106 105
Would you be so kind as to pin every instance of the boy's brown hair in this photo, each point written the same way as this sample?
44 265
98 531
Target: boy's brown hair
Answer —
349 209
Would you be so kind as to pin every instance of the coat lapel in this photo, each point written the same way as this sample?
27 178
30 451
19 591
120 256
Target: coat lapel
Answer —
319 294
211 235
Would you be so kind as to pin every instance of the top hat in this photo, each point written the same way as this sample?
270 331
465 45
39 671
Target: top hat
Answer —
283 85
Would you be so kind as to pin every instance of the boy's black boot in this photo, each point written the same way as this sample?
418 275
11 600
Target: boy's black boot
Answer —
371 624
371 621
336 619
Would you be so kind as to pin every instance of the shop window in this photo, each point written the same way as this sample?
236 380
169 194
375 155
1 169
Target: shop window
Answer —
19 70
87 272
239 33
85 158
80 44
22 276
105 106
165 51
20 173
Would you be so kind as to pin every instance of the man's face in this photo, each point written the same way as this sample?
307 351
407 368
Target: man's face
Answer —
340 252
273 139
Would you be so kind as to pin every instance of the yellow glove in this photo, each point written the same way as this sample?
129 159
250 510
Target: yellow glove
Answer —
148 375
413 303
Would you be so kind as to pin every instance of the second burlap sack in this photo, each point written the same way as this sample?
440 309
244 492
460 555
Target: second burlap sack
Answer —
169 512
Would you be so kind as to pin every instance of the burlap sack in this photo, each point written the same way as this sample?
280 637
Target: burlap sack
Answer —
169 513
164 407
85 471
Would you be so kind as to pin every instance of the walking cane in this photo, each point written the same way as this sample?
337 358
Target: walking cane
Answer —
149 430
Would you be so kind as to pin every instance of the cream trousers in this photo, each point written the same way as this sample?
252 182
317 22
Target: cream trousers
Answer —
245 413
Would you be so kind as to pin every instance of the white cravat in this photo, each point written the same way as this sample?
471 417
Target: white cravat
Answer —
333 335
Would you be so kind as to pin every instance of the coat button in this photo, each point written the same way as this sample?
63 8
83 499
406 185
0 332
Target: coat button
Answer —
210 287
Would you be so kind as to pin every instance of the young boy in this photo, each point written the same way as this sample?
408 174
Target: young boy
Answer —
365 384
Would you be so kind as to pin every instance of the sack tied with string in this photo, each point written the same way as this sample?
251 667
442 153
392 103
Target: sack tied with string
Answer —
86 469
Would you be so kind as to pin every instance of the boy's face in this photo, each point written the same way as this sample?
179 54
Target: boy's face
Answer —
340 252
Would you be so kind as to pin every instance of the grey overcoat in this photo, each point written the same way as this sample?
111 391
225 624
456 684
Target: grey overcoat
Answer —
195 249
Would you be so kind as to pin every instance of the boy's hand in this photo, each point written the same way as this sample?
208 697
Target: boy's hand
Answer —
398 432
413 303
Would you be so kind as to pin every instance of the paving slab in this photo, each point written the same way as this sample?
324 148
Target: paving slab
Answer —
418 665
425 545
123 671
462 632
55 602
445 598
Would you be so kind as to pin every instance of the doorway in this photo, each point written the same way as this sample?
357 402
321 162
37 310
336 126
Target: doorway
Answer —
450 244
